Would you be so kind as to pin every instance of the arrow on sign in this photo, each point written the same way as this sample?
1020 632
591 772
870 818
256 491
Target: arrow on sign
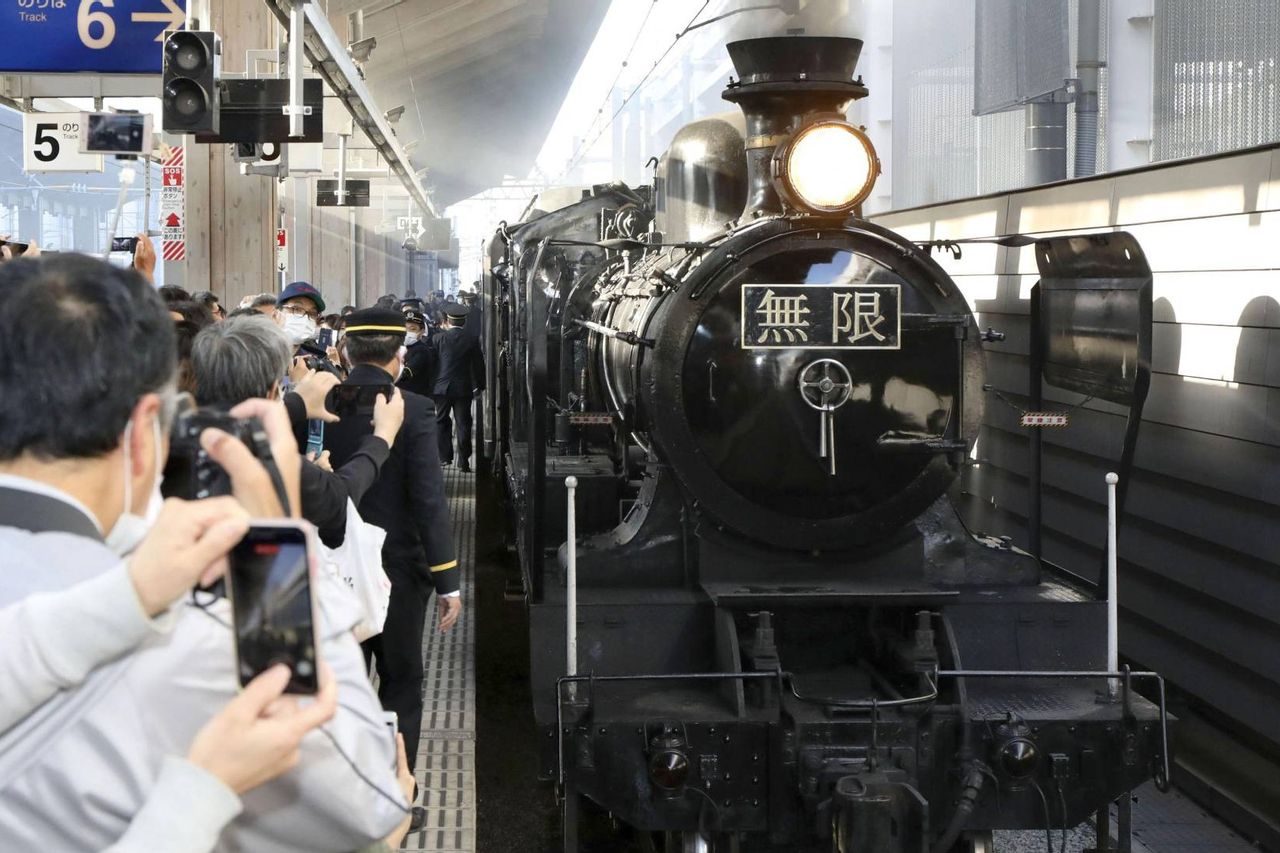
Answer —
173 16
172 220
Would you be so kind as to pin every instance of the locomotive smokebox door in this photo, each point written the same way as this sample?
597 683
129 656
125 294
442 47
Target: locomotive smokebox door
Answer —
820 384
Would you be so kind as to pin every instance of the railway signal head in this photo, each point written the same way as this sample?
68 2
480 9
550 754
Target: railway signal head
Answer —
190 78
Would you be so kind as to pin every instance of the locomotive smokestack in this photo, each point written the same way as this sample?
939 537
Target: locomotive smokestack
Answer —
780 81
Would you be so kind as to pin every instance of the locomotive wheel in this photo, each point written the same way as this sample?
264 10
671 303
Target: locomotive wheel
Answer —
975 842
700 842
586 827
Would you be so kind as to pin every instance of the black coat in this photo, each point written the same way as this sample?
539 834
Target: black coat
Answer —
408 499
420 364
460 364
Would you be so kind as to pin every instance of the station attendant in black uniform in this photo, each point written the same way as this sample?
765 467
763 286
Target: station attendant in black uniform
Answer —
459 376
408 501
420 355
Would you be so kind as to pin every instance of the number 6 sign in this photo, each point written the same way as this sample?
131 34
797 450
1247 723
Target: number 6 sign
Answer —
51 143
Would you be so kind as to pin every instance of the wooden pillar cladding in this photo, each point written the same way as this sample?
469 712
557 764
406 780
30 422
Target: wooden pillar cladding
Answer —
231 218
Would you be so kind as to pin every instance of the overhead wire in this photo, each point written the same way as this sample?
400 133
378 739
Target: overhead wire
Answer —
586 146
609 91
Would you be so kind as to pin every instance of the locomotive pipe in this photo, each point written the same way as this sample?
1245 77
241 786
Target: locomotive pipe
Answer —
1113 615
626 337
968 802
571 583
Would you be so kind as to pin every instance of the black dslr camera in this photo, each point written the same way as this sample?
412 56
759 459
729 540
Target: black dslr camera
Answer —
191 474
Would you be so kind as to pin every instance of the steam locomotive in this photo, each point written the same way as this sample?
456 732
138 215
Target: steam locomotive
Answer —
757 620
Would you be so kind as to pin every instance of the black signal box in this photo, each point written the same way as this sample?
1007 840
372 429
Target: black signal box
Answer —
253 111
357 194
190 100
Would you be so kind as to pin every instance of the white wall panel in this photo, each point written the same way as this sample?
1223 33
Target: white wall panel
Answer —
1206 481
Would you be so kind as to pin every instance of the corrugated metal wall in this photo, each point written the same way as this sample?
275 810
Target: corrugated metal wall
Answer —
1200 548
1217 76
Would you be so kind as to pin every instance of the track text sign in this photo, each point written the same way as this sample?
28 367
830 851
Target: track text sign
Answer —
51 143
106 36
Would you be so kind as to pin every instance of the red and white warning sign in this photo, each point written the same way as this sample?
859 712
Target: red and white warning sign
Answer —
173 204
282 250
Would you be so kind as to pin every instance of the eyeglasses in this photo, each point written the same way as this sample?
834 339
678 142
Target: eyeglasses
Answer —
299 311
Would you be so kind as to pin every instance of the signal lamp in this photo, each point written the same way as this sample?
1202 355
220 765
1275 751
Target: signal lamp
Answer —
190 82
1019 758
826 167
668 769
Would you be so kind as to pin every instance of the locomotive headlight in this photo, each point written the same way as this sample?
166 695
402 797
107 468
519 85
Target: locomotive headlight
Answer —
827 167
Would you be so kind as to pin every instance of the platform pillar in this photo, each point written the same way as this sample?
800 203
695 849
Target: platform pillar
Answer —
231 218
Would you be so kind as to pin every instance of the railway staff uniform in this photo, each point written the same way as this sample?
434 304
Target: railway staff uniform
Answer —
420 355
460 374
408 502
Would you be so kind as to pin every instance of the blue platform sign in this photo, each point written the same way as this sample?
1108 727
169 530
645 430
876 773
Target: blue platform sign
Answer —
68 36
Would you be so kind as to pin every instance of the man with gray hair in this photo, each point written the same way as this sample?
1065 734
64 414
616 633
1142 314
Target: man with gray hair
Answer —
263 303
82 451
247 357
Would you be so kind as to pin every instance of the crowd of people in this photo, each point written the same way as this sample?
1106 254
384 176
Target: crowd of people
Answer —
126 723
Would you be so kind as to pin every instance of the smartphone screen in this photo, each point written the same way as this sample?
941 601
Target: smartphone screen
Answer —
122 249
115 133
270 582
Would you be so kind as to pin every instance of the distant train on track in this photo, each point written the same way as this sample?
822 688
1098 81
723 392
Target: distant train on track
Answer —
786 638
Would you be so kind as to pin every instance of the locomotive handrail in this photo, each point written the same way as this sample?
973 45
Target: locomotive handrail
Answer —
1162 776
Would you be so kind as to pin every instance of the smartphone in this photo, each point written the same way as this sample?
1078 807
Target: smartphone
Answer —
393 728
15 248
115 133
122 250
324 338
273 611
344 400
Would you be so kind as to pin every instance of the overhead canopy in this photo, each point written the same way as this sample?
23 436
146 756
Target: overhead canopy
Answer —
481 80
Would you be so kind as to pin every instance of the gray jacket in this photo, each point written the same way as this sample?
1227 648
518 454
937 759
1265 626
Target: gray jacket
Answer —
188 807
75 772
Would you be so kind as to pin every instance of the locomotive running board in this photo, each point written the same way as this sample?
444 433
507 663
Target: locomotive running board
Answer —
737 595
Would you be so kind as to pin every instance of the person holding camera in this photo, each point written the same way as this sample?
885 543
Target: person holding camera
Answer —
83 443
408 502
243 358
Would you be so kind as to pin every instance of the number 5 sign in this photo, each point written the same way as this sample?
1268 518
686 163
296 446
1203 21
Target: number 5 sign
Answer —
51 143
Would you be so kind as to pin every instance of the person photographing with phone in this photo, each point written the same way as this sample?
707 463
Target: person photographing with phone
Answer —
84 439
408 502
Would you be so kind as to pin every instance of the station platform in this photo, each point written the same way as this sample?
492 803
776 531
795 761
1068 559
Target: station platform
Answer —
447 748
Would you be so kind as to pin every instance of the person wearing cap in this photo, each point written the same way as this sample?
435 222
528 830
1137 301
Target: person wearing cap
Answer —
300 306
420 355
459 377
407 501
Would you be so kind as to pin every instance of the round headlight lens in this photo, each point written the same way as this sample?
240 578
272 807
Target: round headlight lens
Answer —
830 167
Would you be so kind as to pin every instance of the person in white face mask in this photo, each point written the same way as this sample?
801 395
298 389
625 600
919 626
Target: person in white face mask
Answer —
83 441
299 307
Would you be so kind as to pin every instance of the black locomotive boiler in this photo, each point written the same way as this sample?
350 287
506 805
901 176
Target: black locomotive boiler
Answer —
786 639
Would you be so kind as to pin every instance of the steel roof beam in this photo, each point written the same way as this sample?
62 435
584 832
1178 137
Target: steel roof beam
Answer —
328 55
